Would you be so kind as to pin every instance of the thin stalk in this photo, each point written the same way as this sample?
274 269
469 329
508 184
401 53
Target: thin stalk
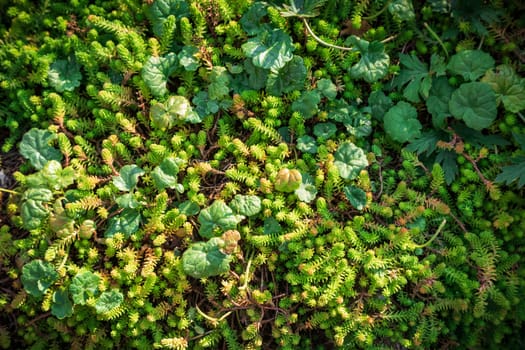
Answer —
377 14
433 33
433 236
8 191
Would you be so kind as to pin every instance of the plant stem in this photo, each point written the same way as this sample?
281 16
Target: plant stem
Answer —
436 37
434 235
8 191
322 41
377 13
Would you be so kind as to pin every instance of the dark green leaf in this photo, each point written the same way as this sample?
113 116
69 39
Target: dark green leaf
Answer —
291 77
470 64
271 226
205 259
62 306
475 104
64 75
270 50
83 286
508 86
160 10
512 173
402 10
307 104
189 208
437 102
35 147
127 223
350 160
356 196
325 130
188 58
379 104
401 122
34 207
165 175
374 61
108 301
251 20
307 143
447 160
217 216
219 83
37 277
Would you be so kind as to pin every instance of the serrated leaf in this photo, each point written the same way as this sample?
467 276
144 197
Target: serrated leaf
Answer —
356 196
270 49
35 148
307 104
470 64
426 143
37 277
156 72
219 83
307 143
307 190
64 75
188 58
205 259
417 76
512 173
325 130
247 205
83 286
374 61
127 223
327 88
401 122
217 216
251 19
291 77
475 104
508 86
160 10
437 102
447 160
349 160
379 104
108 301
62 306
128 177
165 175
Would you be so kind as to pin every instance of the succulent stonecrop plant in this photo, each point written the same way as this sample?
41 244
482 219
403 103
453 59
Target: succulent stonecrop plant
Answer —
245 174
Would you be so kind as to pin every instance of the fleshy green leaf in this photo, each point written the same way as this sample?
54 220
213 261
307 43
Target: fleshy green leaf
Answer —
307 143
270 49
127 223
34 207
156 72
437 102
127 200
64 75
350 160
217 216
83 286
108 301
35 147
219 83
401 122
307 104
470 64
475 104
165 175
62 306
307 190
356 196
160 10
128 177
205 259
188 58
327 88
508 86
37 277
291 77
374 61
247 205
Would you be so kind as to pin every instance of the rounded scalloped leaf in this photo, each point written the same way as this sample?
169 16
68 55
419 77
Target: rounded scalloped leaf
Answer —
205 259
108 301
83 286
247 205
62 306
38 276
288 180
475 104
401 122
350 160
470 64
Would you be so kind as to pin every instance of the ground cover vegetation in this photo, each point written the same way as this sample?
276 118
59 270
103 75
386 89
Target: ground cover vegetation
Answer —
297 174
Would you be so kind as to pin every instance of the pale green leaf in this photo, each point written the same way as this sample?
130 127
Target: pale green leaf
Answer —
205 259
156 72
62 306
34 207
327 88
508 86
127 223
128 177
165 175
84 286
374 61
247 205
64 75
307 143
35 147
402 10
188 58
217 217
174 111
475 104
219 85
307 190
350 160
270 49
108 301
291 77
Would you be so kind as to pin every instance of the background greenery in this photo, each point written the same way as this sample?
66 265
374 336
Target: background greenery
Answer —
295 174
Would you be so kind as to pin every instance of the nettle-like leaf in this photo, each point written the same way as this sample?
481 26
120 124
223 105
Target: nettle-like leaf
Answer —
156 72
374 61
247 205
418 76
327 88
307 104
62 306
34 207
356 196
475 104
165 175
128 177
35 148
438 99
219 83
350 160
84 286
401 122
108 301
159 11
307 190
175 111
188 58
508 86
205 259
512 173
64 75
217 217
307 143
127 223
38 276
269 49
291 77
470 64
